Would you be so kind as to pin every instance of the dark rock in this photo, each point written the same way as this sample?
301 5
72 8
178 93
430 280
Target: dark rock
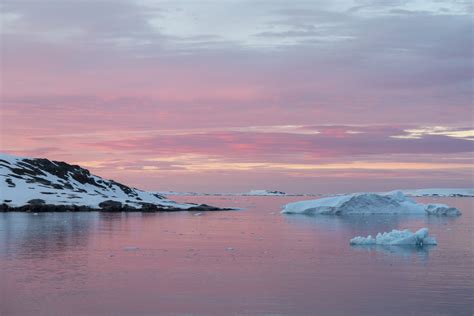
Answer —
129 208
83 208
110 205
124 188
160 196
38 206
148 207
15 176
36 202
205 207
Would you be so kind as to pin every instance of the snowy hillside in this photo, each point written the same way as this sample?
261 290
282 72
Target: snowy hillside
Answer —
368 203
41 184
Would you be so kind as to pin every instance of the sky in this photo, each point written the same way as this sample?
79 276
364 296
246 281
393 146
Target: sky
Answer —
229 96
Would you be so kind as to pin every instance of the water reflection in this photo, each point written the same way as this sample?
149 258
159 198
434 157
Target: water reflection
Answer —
343 228
42 235
46 235
405 251
363 222
256 260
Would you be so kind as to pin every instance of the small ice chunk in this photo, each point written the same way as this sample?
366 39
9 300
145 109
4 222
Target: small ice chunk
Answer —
441 209
397 237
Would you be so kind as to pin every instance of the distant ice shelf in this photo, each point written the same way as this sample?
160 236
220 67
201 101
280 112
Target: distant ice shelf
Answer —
394 202
265 193
250 193
397 238
441 192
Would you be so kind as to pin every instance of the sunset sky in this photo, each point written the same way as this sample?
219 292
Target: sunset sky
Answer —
228 96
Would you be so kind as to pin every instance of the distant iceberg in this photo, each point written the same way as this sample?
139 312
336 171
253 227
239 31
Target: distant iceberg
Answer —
265 193
397 238
250 193
445 192
368 203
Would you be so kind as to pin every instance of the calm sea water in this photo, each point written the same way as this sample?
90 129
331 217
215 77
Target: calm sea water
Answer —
250 262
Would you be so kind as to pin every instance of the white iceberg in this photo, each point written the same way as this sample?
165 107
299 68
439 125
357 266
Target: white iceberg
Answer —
398 238
368 203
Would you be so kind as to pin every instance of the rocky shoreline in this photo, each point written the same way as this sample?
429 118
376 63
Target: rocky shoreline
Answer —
40 206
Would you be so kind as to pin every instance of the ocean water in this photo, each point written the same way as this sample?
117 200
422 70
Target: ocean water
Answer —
250 262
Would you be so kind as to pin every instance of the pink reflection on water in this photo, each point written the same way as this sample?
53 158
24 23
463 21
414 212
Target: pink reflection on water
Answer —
249 262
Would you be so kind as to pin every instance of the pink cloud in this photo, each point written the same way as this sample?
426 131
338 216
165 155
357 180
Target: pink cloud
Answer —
111 90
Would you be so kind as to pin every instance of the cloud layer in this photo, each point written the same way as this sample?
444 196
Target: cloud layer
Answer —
166 94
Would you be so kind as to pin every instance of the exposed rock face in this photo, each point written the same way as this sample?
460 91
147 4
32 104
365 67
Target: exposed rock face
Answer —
41 185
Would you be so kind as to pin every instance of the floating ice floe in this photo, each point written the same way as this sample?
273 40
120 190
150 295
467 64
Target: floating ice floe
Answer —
368 203
397 237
